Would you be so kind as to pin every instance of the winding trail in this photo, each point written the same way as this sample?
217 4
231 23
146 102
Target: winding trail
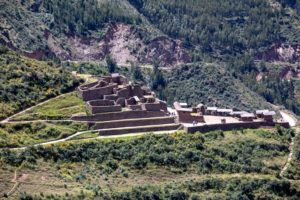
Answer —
89 139
293 122
27 109
290 157
54 141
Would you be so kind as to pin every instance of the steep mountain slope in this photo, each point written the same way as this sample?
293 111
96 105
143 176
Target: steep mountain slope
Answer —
211 84
41 29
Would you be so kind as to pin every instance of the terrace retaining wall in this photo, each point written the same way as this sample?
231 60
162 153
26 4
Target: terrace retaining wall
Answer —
138 130
233 126
135 122
97 93
119 116
105 109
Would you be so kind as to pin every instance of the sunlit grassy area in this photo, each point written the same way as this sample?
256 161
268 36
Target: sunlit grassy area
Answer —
86 136
62 107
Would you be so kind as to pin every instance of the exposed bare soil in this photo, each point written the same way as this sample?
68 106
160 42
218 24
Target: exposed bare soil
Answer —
124 44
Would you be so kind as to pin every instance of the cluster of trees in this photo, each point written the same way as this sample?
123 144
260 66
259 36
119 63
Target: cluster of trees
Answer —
24 82
228 25
82 16
92 68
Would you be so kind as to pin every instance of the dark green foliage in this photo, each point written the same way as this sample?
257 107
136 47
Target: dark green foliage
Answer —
111 64
157 79
80 17
158 82
271 87
87 68
136 74
230 25
3 49
18 135
293 170
212 85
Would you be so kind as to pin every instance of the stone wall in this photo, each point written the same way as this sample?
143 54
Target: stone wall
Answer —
94 94
138 130
233 126
187 117
105 109
101 102
119 116
135 107
135 122
151 106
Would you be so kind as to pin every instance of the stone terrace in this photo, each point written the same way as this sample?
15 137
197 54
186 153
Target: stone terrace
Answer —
117 106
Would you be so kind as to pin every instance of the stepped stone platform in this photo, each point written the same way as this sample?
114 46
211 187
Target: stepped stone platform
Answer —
118 107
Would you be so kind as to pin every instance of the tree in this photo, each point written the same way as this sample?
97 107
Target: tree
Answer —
158 79
111 64
136 73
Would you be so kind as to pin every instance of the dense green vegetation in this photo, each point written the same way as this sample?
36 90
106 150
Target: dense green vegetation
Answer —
197 152
229 26
83 16
242 164
272 87
25 134
212 85
91 68
24 82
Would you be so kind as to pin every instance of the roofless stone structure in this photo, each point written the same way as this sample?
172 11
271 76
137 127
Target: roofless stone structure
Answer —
114 103
117 106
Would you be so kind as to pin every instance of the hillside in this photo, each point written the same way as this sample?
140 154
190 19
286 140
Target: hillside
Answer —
168 33
90 34
216 165
211 84
24 82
